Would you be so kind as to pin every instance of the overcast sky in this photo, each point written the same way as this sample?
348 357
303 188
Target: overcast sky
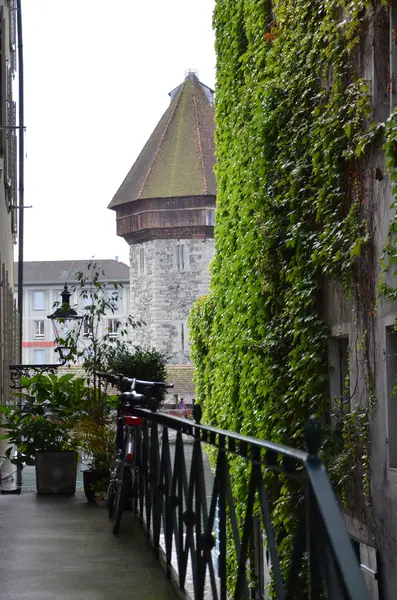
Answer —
97 77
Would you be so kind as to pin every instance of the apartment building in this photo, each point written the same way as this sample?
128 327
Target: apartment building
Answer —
43 283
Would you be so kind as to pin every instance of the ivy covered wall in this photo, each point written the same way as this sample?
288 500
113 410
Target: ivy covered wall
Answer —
296 132
290 113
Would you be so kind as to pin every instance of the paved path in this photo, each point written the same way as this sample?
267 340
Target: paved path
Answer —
61 548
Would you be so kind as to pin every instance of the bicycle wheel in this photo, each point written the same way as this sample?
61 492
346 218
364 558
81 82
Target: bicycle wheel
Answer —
119 499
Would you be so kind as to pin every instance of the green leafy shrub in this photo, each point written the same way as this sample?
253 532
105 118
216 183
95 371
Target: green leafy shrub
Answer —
134 361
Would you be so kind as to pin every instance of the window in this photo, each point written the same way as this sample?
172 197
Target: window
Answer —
180 257
113 325
141 265
368 560
38 300
182 337
86 328
39 329
39 357
113 297
209 216
86 299
339 377
391 374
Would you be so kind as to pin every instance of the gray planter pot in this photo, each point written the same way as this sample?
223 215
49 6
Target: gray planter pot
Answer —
56 472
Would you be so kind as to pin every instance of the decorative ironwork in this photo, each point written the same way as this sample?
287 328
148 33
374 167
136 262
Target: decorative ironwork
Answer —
18 371
172 502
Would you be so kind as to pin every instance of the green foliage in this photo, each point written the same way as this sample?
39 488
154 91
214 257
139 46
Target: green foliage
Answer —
44 418
293 121
389 259
133 361
97 442
101 301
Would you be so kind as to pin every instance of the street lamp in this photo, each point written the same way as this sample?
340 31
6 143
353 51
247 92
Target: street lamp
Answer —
66 324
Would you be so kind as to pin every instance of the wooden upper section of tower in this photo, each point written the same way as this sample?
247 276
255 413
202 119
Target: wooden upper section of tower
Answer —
170 190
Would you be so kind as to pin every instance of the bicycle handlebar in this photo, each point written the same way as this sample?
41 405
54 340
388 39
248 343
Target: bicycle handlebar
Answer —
126 383
161 384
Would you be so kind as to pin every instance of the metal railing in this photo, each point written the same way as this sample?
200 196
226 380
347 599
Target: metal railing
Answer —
175 507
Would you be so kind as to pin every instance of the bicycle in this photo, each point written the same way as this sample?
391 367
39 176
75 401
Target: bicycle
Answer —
124 470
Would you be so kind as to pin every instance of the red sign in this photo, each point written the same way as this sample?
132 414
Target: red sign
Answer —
38 344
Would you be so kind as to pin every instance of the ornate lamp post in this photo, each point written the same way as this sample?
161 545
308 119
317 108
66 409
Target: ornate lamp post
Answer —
66 323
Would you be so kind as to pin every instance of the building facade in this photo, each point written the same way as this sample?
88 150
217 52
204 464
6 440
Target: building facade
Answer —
9 337
363 337
165 211
43 284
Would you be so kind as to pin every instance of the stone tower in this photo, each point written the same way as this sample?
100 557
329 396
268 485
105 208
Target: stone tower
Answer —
165 211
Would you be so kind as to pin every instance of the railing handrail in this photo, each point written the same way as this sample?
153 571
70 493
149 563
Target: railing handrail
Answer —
189 428
321 532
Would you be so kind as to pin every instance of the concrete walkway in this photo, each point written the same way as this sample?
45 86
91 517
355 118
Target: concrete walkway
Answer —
61 548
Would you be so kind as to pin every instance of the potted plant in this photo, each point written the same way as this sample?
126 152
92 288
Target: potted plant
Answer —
100 492
40 430
96 442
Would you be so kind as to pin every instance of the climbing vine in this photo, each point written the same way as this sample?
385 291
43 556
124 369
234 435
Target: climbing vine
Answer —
293 125
389 259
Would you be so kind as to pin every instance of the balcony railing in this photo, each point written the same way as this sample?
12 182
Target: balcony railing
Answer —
189 521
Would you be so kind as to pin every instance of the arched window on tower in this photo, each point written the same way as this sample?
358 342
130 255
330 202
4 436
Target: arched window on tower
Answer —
141 261
182 337
181 257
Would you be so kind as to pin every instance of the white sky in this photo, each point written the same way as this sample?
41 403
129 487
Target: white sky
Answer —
97 77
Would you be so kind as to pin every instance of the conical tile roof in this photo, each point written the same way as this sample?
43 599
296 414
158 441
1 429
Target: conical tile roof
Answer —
178 159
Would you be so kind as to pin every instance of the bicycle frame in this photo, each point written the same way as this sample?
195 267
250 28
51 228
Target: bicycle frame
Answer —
122 474
130 424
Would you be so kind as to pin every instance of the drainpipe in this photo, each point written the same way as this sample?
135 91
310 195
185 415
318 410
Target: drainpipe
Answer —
21 121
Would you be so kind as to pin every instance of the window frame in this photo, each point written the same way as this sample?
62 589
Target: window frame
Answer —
38 335
113 330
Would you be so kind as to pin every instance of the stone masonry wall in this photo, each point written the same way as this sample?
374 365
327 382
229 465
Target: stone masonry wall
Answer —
167 276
